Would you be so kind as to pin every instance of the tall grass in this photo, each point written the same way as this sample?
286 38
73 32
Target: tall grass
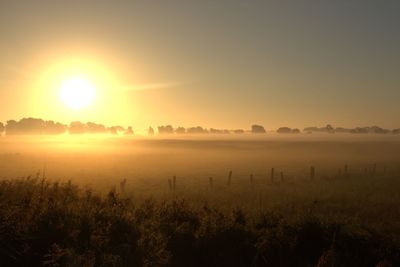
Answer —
51 223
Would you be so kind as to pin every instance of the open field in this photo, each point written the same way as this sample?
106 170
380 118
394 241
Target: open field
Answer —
102 160
346 209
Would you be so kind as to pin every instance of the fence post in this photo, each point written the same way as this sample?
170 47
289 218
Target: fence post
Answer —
346 170
170 184
122 185
272 175
229 178
374 170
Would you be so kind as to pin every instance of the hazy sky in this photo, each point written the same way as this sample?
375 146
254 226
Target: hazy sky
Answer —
213 63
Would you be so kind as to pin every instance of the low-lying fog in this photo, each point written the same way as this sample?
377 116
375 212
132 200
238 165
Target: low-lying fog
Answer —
104 160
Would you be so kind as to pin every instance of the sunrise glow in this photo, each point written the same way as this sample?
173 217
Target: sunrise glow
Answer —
77 93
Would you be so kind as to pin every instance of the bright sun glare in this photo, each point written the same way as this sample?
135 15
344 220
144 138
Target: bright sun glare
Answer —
77 93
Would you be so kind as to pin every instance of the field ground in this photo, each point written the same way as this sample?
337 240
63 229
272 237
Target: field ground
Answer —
122 207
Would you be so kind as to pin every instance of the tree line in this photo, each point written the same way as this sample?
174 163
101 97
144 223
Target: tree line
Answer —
36 126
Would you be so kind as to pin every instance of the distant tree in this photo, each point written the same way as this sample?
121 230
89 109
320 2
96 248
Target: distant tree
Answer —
11 127
115 129
372 129
168 129
180 130
216 131
196 130
329 128
238 131
378 130
219 131
33 126
112 130
128 131
92 127
2 128
257 129
52 127
342 130
295 131
311 129
77 127
25 126
119 128
396 131
150 131
284 130
360 130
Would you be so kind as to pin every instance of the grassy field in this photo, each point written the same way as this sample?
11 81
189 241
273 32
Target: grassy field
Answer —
331 201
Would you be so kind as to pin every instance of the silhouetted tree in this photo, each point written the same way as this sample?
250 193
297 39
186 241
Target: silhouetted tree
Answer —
77 127
378 130
257 129
329 128
119 128
92 127
284 130
238 131
360 130
342 130
168 129
34 126
52 127
196 130
129 131
180 130
311 129
216 131
1 127
115 129
219 131
150 131
26 126
11 127
112 130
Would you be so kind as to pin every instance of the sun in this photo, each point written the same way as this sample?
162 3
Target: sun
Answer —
77 93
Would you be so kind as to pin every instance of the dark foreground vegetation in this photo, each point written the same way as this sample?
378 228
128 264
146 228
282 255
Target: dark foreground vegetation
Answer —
46 223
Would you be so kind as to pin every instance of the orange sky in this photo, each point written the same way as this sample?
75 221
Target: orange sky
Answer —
223 65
